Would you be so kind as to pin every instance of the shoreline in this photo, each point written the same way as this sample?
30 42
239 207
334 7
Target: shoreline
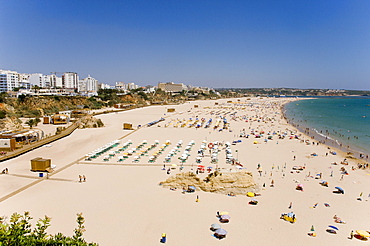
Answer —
323 139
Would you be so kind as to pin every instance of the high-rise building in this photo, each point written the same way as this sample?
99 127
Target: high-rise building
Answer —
56 82
70 80
88 85
8 80
40 80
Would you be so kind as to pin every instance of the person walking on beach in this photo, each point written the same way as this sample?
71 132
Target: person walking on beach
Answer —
272 183
351 235
290 205
84 177
80 177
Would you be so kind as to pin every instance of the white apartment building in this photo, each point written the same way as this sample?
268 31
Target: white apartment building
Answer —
132 86
8 80
24 81
120 86
40 80
55 82
106 86
125 87
88 85
70 80
91 84
172 87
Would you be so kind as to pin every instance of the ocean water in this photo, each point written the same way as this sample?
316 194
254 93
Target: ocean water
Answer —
344 120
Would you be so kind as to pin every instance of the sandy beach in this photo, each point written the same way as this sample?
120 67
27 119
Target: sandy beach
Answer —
123 203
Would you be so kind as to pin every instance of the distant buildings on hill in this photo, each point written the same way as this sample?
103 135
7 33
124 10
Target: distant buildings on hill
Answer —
172 87
69 83
49 84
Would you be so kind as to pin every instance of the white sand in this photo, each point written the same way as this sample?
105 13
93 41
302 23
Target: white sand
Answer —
124 205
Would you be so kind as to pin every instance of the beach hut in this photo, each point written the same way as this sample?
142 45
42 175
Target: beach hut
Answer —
46 119
40 164
60 119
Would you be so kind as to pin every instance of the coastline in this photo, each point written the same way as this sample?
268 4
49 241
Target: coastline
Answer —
313 133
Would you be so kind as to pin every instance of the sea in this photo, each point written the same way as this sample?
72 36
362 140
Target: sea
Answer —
342 122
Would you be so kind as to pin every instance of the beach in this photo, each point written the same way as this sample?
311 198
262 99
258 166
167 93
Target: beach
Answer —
123 203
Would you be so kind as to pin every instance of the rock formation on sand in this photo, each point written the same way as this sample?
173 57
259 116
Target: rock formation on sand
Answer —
90 122
238 183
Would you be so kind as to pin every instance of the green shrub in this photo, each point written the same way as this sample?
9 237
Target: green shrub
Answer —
2 114
19 232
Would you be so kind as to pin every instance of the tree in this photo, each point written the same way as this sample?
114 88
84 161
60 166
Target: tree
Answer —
3 96
19 232
33 122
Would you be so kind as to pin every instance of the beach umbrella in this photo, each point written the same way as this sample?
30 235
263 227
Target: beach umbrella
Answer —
225 217
363 233
340 189
191 187
221 232
334 227
215 226
250 194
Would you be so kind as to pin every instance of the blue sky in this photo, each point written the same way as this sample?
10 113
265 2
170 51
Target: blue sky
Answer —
231 43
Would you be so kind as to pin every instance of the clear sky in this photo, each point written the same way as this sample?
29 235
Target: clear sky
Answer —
230 43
